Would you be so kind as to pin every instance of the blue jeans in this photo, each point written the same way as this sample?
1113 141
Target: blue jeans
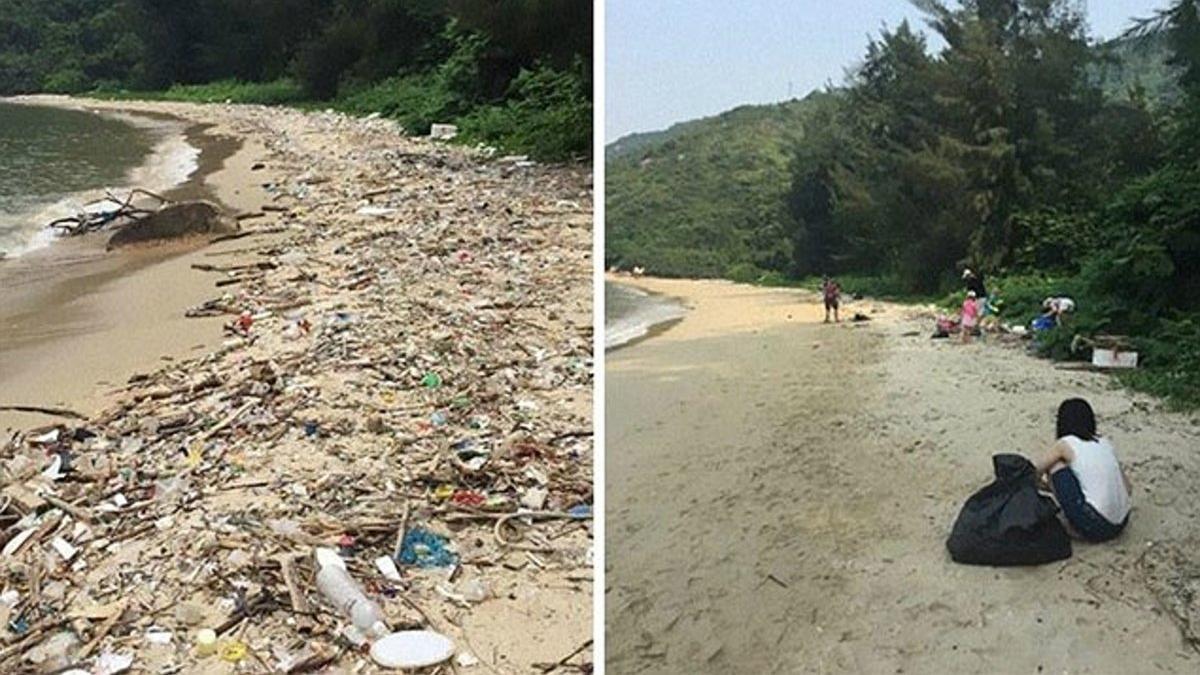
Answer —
1082 516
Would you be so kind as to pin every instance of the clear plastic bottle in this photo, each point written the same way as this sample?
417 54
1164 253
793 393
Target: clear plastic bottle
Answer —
344 593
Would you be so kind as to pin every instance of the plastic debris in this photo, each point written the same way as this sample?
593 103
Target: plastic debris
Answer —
206 642
426 549
412 649
232 651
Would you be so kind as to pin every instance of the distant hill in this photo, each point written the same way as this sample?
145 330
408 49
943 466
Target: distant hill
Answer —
1138 62
706 195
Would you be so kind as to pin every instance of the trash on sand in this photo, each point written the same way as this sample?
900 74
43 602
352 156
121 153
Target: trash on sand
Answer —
232 651
375 211
346 596
443 132
1111 358
206 642
426 549
412 649
387 567
388 258
110 663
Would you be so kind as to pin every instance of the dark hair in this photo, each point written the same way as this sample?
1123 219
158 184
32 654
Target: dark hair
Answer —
1075 418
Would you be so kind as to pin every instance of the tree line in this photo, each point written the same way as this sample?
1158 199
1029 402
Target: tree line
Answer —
1001 153
510 63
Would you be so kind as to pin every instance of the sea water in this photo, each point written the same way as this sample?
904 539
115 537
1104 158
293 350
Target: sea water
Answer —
630 313
52 160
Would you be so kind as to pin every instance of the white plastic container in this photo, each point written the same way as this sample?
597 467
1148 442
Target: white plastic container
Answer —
1111 358
340 589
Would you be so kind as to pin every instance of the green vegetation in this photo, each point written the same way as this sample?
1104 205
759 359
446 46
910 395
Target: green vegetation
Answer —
704 196
512 73
278 92
1054 165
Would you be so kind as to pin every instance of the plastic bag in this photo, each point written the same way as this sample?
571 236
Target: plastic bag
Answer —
1009 522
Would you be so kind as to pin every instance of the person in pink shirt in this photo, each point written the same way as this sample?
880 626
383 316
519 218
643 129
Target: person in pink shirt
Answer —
970 316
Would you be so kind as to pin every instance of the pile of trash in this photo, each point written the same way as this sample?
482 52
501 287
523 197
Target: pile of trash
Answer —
396 430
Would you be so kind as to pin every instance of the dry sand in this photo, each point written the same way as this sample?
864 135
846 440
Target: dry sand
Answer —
780 492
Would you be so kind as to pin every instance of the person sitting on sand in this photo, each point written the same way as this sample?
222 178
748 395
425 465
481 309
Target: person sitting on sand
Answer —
1088 482
970 316
832 293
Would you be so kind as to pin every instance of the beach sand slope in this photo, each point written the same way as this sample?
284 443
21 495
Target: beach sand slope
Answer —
780 492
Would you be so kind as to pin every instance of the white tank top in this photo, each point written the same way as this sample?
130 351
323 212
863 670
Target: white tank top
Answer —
1095 465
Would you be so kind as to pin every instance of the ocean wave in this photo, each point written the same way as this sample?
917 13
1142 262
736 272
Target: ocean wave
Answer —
638 313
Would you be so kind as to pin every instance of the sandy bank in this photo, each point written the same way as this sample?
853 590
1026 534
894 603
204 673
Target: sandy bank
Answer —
780 491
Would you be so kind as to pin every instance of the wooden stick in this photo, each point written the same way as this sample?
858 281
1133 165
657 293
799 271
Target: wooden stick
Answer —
246 233
75 511
549 668
226 422
403 530
381 191
287 566
57 412
103 630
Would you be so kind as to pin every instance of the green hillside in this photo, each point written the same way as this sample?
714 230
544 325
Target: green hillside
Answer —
1129 64
706 194
709 195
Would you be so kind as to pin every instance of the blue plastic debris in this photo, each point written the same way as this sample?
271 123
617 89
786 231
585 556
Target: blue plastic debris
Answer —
425 549
581 511
19 625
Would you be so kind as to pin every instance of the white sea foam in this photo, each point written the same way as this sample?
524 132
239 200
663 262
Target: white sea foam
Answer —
638 313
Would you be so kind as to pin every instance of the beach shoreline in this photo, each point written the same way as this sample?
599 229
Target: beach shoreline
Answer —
803 461
641 325
80 320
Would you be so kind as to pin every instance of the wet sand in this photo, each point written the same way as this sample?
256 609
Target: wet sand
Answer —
780 491
79 321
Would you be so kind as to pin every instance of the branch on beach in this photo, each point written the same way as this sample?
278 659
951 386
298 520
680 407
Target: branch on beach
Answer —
95 217
56 412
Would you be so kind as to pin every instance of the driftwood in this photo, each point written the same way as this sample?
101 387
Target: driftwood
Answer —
91 218
56 412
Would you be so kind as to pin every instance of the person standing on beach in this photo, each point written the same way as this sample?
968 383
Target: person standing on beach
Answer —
974 283
970 316
832 293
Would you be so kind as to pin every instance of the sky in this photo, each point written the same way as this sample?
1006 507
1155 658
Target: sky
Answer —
667 61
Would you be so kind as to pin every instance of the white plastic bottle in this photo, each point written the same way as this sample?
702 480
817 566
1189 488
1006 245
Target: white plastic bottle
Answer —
344 593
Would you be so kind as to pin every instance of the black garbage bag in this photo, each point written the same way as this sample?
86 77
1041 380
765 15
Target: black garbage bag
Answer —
1008 522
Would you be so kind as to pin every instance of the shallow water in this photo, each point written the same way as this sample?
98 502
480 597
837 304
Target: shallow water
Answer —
630 313
47 155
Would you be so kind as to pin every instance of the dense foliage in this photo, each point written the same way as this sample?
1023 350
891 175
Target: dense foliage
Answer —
1020 148
516 73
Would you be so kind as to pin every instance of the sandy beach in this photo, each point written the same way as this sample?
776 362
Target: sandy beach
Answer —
418 369
780 492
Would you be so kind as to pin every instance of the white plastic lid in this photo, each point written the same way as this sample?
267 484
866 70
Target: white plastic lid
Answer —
412 649
327 557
